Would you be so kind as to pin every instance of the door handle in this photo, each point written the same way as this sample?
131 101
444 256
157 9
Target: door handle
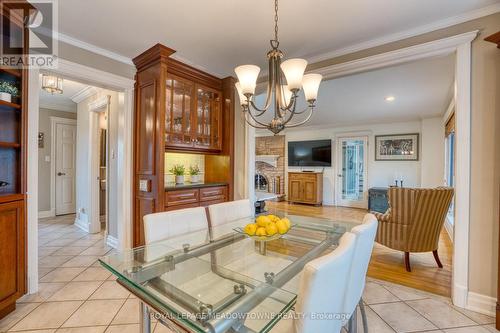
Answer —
61 174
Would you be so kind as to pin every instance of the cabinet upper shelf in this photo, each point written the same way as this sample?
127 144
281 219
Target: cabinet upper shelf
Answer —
9 105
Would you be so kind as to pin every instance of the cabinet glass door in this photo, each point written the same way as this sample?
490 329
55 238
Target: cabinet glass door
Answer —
208 118
178 118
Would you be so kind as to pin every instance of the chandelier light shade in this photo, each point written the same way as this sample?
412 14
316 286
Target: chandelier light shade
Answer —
52 84
285 80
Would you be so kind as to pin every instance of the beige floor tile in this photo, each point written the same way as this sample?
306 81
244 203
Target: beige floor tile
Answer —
160 328
84 242
402 318
19 313
60 242
477 317
474 329
133 328
129 313
93 274
47 315
440 314
93 329
70 250
94 313
96 250
42 271
110 290
491 328
405 293
75 291
375 293
62 274
39 331
81 261
375 323
53 260
47 250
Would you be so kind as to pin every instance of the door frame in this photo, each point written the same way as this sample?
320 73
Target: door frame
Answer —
93 77
338 164
101 105
53 122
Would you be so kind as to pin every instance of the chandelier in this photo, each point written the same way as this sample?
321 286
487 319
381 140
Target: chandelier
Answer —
282 96
52 84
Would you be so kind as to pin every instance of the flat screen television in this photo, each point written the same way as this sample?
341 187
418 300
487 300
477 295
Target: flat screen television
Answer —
316 153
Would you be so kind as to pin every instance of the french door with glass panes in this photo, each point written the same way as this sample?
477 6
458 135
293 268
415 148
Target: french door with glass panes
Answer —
352 158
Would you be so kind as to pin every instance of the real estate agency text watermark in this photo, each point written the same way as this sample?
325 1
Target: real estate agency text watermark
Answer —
29 33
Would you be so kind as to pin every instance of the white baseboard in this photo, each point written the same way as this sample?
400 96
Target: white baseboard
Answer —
112 241
481 303
82 222
46 213
459 296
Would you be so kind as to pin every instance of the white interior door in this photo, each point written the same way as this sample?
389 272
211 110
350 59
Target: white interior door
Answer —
65 168
352 154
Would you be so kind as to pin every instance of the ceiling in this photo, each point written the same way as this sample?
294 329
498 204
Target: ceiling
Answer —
62 102
218 35
421 89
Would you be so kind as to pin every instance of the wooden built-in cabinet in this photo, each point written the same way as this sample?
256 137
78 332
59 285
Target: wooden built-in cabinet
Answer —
195 197
182 109
13 146
305 187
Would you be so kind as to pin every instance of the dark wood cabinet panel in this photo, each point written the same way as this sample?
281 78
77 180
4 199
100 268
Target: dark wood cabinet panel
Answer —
213 193
189 198
305 187
175 198
12 253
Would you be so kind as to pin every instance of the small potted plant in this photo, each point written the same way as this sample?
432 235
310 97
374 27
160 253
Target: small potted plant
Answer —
178 170
7 91
194 172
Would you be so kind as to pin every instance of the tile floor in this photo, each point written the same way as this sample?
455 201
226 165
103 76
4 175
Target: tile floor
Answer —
78 296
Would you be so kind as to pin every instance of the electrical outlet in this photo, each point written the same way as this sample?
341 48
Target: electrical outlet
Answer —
144 185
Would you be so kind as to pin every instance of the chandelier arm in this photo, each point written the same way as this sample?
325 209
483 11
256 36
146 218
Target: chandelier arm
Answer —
261 111
258 122
305 109
301 122
253 125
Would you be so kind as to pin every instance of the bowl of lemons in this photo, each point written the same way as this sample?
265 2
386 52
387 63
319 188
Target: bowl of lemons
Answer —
266 228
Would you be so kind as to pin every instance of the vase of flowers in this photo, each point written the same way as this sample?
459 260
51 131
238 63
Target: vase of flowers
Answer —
194 172
178 171
7 91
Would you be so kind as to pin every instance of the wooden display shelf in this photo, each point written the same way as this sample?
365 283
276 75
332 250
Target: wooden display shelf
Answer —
4 104
11 196
9 145
12 72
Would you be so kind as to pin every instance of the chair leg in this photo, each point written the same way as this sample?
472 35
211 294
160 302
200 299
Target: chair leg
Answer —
407 261
436 256
363 315
352 325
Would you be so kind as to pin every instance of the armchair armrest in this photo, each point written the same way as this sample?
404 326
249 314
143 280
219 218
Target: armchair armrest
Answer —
385 217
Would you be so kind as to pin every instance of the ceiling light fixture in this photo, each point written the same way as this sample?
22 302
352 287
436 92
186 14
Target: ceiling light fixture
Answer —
52 84
283 96
390 98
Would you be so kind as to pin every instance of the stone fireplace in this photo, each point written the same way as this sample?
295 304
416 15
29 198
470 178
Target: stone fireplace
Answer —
270 164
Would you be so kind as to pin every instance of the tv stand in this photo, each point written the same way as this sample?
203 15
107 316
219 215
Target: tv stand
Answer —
305 187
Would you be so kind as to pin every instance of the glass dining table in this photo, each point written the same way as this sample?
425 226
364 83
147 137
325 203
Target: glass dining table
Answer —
220 280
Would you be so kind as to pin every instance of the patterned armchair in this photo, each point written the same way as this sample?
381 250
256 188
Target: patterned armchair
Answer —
414 220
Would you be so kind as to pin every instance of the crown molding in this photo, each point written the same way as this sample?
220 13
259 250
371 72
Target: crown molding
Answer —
441 24
94 49
84 93
57 106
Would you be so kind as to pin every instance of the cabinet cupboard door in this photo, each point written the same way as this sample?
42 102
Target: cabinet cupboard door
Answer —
12 253
208 119
295 190
178 113
309 191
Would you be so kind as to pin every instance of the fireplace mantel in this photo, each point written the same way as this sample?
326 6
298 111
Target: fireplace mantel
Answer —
272 160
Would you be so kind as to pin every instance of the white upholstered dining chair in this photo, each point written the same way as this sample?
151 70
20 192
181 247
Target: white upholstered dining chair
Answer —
365 237
230 211
166 225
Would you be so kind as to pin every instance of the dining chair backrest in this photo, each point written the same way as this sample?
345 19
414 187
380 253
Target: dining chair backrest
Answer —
166 225
322 289
226 212
365 236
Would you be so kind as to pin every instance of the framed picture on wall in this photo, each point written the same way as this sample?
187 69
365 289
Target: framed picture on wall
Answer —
397 147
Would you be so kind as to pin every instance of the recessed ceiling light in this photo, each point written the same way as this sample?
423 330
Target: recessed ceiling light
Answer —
390 98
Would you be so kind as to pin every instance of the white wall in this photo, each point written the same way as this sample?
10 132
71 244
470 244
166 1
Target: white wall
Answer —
381 173
82 170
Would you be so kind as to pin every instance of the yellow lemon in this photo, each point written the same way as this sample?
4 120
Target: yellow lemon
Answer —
271 229
273 218
261 231
250 229
262 221
287 222
282 228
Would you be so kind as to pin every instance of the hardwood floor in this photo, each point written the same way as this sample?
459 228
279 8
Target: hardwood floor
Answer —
387 264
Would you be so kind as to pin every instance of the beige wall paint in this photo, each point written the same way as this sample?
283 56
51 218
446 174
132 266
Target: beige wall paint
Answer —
240 165
44 175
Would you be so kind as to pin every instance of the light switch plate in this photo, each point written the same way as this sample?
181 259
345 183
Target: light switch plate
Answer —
47 158
144 185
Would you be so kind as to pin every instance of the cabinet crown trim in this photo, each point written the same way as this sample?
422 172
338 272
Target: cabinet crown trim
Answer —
156 53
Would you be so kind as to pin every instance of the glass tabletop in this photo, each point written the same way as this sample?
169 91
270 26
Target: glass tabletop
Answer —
217 278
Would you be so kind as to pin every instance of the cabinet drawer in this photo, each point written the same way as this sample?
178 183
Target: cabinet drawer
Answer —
213 193
211 202
183 197
303 176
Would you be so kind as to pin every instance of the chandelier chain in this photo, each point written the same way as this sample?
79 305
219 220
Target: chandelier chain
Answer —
276 20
